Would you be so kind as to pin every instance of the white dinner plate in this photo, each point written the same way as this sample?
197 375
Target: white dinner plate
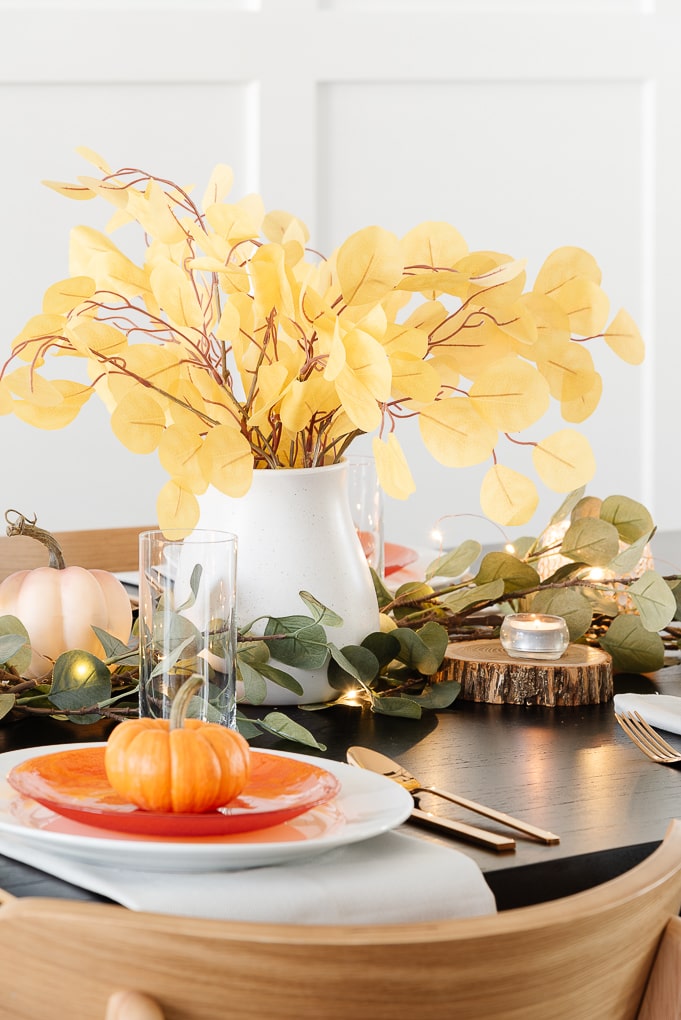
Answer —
366 805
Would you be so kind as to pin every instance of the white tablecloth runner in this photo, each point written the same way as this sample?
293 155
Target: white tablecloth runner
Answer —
389 879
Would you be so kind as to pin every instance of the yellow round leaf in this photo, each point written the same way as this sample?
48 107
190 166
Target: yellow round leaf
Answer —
581 407
563 264
226 460
508 497
175 295
5 398
403 339
369 265
177 509
566 365
510 394
138 421
219 185
90 335
178 453
623 337
585 304
447 369
73 396
34 335
281 226
392 469
414 378
33 388
454 432
64 296
564 461
551 322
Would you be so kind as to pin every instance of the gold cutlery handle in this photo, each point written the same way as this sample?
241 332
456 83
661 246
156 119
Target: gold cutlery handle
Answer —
497 816
469 833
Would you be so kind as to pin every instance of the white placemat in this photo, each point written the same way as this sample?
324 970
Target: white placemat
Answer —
663 711
391 878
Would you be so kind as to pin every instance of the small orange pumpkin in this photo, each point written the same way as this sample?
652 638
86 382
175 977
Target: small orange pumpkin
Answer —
179 765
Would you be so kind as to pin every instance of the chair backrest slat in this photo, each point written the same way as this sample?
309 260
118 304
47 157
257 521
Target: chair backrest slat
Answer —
588 955
114 549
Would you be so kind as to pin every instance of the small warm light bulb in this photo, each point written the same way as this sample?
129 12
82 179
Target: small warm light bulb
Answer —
436 536
81 669
510 548
596 574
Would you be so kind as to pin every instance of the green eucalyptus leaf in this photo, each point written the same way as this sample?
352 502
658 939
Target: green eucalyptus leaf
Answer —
415 653
79 679
436 638
522 545
564 571
569 603
437 696
414 590
194 584
280 678
591 541
633 648
321 613
253 652
166 663
353 661
246 727
454 562
457 601
588 506
515 574
10 645
21 659
654 600
113 646
628 559
282 726
383 645
403 707
675 587
7 702
567 506
631 519
383 595
306 648
255 687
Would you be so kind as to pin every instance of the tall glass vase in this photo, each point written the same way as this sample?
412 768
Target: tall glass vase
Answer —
295 533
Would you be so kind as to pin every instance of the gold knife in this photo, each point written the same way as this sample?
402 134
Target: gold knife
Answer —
366 758
446 826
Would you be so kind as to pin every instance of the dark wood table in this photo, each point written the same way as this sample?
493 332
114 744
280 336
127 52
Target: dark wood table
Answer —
569 770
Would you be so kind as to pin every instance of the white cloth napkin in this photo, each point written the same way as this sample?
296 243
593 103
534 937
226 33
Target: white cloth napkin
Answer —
663 711
388 879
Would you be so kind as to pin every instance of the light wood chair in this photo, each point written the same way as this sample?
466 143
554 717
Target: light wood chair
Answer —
591 956
114 549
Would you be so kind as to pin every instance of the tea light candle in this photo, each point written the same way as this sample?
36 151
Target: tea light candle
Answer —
534 636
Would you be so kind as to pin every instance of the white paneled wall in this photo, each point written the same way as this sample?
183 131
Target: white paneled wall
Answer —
527 124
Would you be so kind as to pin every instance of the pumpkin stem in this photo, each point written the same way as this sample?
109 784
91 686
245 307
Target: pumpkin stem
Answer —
21 525
178 709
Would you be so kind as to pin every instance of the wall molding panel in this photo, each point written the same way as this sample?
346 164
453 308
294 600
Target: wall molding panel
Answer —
526 124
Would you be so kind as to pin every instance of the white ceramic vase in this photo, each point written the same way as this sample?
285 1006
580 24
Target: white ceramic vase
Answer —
295 533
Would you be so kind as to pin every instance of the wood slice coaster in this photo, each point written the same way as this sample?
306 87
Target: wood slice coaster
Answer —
582 676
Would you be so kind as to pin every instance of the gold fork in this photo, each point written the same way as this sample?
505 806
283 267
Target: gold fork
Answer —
647 739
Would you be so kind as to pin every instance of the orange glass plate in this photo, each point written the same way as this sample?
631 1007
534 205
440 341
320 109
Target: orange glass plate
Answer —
73 784
396 557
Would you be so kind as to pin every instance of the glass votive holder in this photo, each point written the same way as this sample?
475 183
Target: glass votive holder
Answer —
534 636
